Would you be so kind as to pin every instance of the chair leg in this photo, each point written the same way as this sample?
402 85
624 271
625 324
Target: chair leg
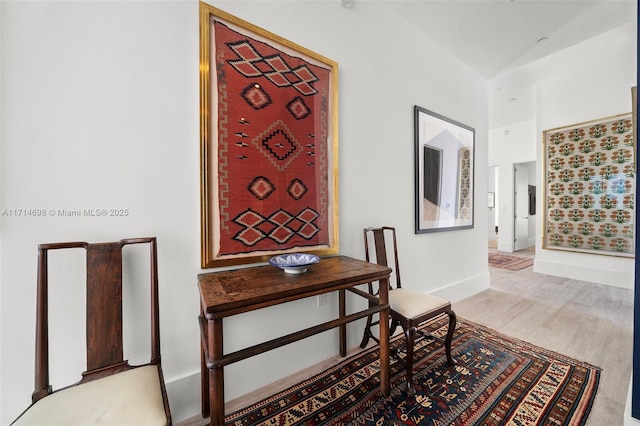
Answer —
393 326
367 332
410 336
447 340
369 335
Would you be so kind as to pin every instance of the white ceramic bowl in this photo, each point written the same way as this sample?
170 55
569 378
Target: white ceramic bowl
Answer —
294 263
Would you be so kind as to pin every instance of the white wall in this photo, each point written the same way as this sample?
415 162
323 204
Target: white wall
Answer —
100 110
568 87
1 181
578 89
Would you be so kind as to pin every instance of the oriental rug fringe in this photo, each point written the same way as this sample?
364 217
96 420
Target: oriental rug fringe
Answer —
512 263
498 380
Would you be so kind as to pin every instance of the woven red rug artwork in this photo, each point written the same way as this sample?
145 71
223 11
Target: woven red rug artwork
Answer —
498 380
272 128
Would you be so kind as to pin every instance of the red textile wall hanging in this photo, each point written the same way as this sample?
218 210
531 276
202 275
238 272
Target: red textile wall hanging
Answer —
269 144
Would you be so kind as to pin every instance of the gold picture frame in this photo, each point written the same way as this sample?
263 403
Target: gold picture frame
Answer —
269 144
589 176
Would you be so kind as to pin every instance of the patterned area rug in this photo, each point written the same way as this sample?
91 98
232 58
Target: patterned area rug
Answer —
498 380
512 263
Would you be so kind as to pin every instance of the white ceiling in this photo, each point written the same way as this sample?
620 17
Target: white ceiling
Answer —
494 36
497 36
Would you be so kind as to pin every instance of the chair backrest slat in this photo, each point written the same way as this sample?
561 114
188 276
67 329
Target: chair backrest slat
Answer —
382 251
381 247
104 305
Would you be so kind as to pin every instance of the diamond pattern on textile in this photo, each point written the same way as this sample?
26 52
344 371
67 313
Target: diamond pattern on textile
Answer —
250 235
248 57
280 218
249 219
256 96
277 63
306 77
281 234
307 215
279 145
273 67
261 187
298 108
256 227
308 229
297 189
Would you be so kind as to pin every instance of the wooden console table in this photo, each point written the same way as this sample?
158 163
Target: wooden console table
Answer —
227 293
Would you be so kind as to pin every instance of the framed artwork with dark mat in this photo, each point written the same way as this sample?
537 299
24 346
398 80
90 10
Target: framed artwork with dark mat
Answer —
269 144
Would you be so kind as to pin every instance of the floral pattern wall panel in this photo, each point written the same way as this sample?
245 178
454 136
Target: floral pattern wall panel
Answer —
590 187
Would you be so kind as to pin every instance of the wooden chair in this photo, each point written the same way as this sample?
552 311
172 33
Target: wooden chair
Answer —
110 392
408 308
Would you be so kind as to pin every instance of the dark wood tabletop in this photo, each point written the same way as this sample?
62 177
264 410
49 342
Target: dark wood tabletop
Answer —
231 292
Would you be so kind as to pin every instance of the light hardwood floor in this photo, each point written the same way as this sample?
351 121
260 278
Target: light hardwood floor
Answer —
589 322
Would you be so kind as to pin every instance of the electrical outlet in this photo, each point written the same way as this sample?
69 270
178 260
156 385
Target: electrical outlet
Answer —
322 299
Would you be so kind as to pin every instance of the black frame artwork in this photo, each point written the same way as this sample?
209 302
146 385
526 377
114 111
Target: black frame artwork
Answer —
444 173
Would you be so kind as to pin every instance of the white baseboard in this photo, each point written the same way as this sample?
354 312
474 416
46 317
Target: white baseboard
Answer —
184 397
585 273
463 289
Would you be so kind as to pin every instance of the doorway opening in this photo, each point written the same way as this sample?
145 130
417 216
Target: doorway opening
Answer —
524 206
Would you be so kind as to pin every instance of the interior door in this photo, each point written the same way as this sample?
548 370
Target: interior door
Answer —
432 174
521 207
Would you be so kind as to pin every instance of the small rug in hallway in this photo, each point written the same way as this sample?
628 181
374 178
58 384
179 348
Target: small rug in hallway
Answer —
512 263
498 380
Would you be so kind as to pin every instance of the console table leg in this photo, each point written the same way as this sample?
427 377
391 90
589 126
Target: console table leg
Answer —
204 377
342 308
385 379
216 374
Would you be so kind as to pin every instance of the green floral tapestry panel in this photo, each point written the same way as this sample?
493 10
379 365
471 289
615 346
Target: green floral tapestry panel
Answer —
589 186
